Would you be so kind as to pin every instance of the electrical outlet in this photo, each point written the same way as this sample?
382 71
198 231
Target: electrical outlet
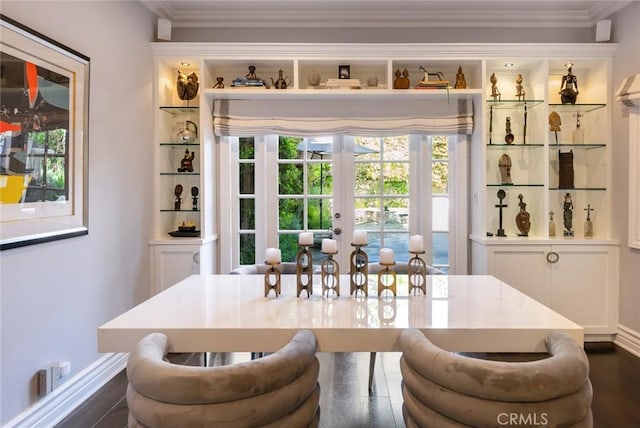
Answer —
44 382
58 371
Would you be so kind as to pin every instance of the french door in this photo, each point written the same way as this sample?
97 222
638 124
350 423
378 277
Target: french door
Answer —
391 187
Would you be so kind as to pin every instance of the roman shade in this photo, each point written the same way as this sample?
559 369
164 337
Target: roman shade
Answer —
358 117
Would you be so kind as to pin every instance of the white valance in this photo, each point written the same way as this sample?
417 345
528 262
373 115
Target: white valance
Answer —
359 117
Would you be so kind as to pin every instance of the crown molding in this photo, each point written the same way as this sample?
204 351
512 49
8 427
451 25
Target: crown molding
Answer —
383 14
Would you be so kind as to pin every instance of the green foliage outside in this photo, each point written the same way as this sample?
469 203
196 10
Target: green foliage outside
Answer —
48 163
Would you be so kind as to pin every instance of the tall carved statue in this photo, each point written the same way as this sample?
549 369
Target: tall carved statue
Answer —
523 219
569 87
568 215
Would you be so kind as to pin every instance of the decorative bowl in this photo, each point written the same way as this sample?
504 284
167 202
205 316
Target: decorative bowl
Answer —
186 228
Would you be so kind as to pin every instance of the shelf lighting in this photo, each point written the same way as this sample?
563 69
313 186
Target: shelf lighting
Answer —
185 64
508 65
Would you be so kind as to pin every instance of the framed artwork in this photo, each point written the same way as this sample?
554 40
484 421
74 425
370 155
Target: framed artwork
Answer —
344 72
44 87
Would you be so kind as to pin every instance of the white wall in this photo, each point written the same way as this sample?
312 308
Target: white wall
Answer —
626 62
55 295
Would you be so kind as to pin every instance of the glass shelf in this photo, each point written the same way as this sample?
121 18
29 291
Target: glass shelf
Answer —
515 185
511 104
576 108
179 109
579 146
179 144
180 173
579 188
514 146
180 211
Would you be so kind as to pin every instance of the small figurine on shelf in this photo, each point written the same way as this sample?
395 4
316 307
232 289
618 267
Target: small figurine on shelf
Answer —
186 164
178 201
578 134
554 123
504 165
194 196
508 138
519 88
565 172
219 84
523 219
495 92
501 195
461 82
569 86
402 80
588 224
568 215
552 225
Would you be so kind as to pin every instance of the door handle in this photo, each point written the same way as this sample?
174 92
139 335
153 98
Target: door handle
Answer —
337 231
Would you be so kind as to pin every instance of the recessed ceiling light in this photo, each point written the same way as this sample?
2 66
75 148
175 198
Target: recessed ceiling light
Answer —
185 64
508 65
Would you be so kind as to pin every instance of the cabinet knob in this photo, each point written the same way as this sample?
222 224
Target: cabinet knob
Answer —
553 257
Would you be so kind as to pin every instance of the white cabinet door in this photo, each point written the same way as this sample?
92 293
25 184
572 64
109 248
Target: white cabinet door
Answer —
585 286
523 267
171 264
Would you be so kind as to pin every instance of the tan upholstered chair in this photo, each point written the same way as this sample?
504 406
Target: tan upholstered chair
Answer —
278 390
444 389
401 268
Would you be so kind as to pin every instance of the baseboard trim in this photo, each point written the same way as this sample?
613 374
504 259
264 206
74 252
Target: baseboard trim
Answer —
628 339
56 406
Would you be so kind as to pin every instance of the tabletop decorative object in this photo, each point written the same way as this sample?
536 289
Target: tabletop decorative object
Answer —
330 269
272 275
186 163
387 276
552 225
219 83
359 272
501 195
523 219
569 86
304 264
588 224
567 207
417 268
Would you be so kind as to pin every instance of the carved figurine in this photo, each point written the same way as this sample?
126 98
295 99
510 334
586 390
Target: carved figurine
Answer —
501 195
568 215
219 84
523 220
569 87
519 89
565 172
178 193
552 225
194 196
402 80
461 82
187 86
186 164
554 123
495 92
508 138
504 164
252 73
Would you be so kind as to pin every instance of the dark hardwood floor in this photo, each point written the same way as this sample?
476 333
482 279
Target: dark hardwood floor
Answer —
345 401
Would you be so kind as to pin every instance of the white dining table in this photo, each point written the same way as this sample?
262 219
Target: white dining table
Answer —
229 313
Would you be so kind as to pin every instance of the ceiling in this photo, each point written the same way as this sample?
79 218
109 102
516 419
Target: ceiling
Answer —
383 13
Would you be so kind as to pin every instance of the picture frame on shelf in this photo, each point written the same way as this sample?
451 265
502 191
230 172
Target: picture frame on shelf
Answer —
344 72
44 138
